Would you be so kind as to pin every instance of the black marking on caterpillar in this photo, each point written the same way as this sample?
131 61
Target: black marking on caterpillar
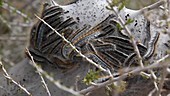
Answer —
151 46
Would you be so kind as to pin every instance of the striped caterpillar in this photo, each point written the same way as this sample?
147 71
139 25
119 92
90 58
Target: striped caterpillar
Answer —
104 43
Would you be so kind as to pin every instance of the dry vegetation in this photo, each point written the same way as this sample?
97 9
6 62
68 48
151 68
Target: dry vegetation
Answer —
17 18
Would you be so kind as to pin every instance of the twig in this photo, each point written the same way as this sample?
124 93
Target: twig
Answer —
12 9
164 69
5 22
122 23
161 83
8 61
21 24
155 79
153 6
53 3
36 66
57 83
137 70
141 11
6 75
73 47
14 38
152 92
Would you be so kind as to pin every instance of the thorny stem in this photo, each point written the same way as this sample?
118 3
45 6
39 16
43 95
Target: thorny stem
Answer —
7 76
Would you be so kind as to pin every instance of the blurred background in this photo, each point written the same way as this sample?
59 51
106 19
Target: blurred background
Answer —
16 20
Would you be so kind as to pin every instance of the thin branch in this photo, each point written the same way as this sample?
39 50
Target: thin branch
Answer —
6 75
57 83
152 92
36 66
122 23
161 83
158 64
73 47
52 2
152 6
8 61
5 22
164 69
155 79
21 24
14 38
12 9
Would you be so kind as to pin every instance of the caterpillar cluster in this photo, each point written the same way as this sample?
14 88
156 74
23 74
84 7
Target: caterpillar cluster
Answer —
104 43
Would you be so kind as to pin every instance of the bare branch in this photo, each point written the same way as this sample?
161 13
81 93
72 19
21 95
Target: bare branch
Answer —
5 22
36 66
152 92
161 83
57 83
53 3
137 70
153 6
122 23
12 38
12 9
6 75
